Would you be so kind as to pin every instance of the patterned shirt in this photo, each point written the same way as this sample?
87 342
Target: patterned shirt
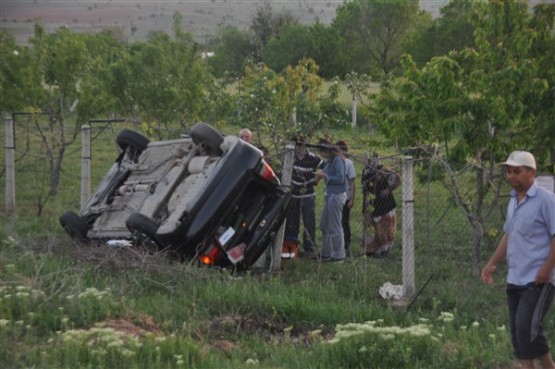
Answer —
302 180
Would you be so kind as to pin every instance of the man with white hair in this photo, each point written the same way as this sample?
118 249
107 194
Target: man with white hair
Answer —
245 134
528 245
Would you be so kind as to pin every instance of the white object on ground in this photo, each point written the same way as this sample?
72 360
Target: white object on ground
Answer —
391 291
119 243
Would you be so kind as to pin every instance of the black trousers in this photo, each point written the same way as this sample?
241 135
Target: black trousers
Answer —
345 221
528 306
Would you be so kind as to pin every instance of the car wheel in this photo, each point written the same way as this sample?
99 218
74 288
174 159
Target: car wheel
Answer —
206 135
144 230
74 226
132 142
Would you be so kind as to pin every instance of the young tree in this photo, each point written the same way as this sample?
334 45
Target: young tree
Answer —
58 62
269 100
162 82
480 103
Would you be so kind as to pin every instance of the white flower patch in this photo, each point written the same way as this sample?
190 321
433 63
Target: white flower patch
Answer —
446 317
353 329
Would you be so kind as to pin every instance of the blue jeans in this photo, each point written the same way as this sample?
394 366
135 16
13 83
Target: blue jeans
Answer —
333 243
528 305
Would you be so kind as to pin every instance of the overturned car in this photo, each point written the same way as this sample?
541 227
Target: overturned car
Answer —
204 197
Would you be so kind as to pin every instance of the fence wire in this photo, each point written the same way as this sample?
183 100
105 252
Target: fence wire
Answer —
442 230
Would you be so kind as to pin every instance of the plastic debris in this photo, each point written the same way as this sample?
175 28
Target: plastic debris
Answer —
391 291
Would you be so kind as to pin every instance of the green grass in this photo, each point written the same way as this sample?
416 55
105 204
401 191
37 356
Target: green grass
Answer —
64 306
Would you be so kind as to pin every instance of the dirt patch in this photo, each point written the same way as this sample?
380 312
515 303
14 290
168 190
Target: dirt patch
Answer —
227 328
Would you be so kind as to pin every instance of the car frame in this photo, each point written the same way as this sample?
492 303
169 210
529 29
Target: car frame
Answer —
204 197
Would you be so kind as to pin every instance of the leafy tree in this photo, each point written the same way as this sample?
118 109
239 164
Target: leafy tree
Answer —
265 24
374 31
162 81
59 62
50 76
268 100
479 104
100 95
318 42
16 70
291 45
233 49
327 50
451 31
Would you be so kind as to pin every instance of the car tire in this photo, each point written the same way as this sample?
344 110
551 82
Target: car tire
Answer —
128 139
144 229
75 226
209 137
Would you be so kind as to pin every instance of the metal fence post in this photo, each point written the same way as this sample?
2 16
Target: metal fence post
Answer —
10 166
408 228
85 164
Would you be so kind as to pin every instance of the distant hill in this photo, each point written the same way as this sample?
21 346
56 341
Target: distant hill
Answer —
135 19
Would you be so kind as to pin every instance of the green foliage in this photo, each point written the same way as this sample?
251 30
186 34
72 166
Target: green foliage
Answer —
266 23
469 100
329 51
475 104
374 32
269 101
16 70
177 85
233 49
451 31
291 45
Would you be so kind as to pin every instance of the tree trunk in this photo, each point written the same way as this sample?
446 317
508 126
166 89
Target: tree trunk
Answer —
477 222
56 171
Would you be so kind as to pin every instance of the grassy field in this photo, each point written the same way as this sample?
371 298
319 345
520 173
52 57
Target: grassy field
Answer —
68 306
64 306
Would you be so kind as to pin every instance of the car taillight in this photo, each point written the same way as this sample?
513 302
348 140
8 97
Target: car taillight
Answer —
211 257
267 173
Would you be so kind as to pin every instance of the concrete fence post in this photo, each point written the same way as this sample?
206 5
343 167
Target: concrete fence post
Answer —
286 177
408 228
10 164
354 111
85 164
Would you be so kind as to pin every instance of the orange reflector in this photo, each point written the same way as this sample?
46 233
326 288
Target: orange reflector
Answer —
206 260
210 257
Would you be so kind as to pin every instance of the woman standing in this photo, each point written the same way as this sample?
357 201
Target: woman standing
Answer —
333 173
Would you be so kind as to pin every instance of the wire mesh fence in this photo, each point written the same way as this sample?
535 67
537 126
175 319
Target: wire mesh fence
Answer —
441 229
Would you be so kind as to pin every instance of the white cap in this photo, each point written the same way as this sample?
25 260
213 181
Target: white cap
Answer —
521 159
